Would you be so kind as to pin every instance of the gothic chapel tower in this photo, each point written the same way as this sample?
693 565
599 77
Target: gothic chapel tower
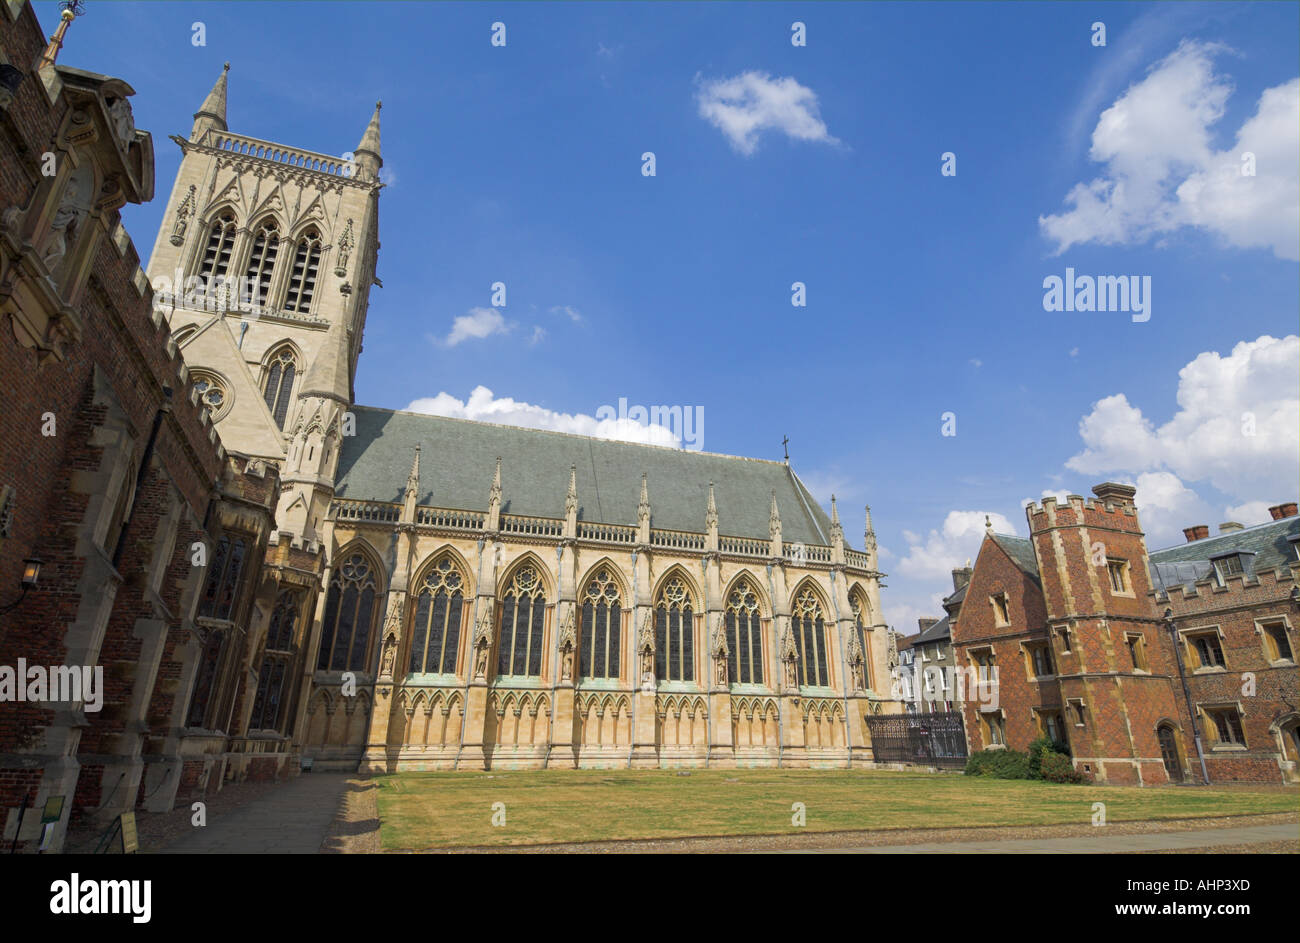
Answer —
271 253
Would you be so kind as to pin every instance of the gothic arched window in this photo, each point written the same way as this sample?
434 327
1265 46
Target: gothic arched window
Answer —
216 255
349 615
279 384
435 635
302 280
212 393
222 588
744 636
261 262
674 633
601 622
809 627
268 704
523 609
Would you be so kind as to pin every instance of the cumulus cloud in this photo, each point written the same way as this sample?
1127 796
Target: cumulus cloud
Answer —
1250 512
1237 425
1162 172
483 406
1166 506
477 324
745 105
935 555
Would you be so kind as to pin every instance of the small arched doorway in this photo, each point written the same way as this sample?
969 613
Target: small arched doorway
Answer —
1169 752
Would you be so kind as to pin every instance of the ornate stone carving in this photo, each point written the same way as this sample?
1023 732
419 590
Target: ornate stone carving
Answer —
389 657
645 646
183 213
789 659
123 122
482 644
345 250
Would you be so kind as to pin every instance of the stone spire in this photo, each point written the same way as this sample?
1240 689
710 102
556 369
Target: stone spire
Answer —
493 522
571 497
367 154
571 504
412 490
413 479
643 513
869 539
212 113
711 513
837 534
774 528
330 375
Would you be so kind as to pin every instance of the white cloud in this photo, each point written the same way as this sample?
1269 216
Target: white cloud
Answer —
976 363
745 105
1220 401
935 555
539 333
1165 506
479 323
1162 172
569 311
484 406
1250 512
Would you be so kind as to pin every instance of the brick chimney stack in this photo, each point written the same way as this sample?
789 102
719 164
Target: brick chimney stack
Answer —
1229 526
961 577
1282 511
1199 532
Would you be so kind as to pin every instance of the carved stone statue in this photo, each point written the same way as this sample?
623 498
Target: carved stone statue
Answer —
859 676
721 669
480 661
791 676
62 228
183 213
123 122
390 656
566 665
345 251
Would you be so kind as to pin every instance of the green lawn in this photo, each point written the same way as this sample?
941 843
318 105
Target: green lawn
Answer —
429 810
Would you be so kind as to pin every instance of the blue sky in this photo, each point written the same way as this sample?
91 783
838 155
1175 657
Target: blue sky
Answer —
522 164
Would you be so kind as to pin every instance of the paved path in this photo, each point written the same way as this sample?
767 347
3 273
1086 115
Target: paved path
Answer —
290 819
1101 844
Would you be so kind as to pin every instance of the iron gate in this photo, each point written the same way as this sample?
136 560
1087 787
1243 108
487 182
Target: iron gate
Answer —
923 739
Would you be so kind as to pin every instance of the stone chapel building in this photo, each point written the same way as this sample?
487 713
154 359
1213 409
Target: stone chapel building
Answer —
439 593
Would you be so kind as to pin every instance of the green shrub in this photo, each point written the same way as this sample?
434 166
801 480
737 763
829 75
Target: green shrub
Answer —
1057 768
1040 750
999 764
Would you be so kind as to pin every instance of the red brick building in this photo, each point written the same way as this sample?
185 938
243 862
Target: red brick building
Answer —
148 534
1079 634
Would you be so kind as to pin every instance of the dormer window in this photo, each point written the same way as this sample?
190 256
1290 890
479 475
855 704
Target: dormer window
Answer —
1225 567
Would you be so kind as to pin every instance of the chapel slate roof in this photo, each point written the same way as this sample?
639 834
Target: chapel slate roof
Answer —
1021 552
458 457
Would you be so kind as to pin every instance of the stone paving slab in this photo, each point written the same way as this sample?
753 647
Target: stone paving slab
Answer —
1101 844
292 819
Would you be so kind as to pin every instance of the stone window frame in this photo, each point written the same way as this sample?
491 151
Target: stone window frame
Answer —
1045 645
1001 604
988 728
1210 724
1138 656
1269 644
1118 566
1063 633
1040 715
1188 636
1079 711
